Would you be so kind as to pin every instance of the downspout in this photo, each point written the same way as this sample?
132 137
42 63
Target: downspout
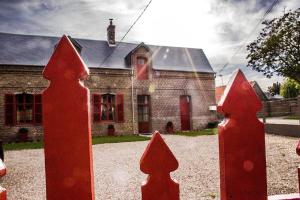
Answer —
132 101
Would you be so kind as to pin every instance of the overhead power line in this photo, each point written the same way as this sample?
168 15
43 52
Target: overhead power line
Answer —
137 19
275 2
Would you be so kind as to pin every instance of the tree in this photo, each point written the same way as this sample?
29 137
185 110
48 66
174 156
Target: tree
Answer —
274 89
290 88
277 48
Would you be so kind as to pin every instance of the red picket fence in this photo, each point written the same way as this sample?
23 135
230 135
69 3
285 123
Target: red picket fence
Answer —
2 173
69 171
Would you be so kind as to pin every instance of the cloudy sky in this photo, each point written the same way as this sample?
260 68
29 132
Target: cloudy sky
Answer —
219 27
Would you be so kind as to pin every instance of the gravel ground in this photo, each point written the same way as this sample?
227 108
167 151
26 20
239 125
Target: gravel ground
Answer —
117 174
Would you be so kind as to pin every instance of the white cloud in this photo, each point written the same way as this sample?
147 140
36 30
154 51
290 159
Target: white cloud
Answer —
219 27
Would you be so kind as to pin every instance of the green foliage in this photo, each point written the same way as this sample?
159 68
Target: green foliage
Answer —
295 117
23 145
118 139
212 124
96 140
290 88
208 131
274 89
277 48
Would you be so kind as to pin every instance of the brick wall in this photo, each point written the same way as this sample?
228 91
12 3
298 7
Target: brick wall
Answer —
164 88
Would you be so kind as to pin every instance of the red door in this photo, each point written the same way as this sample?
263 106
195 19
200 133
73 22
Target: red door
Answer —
144 113
185 113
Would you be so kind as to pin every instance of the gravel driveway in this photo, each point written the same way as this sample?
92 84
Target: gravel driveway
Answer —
117 174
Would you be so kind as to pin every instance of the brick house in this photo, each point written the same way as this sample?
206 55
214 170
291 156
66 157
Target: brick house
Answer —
137 88
259 92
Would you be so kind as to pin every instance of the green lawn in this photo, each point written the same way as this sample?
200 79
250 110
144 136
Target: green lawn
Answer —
118 139
96 140
212 131
292 117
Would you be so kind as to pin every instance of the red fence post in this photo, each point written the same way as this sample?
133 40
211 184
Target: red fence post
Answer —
158 161
241 143
67 129
2 173
298 152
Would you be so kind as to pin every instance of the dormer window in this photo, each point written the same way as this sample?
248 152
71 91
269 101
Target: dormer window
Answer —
142 68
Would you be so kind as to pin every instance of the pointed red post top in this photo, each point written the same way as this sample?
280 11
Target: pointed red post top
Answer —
65 63
157 157
2 168
239 97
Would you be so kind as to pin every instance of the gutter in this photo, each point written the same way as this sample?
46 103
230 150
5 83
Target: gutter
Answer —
132 101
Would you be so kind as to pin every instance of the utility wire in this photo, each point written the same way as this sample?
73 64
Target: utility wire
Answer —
275 2
137 19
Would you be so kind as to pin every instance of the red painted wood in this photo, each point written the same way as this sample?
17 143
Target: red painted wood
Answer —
298 152
37 116
142 68
185 113
9 103
120 107
241 143
67 129
158 161
144 113
96 107
2 173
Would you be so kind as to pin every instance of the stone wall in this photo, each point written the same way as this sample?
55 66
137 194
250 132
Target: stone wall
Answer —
279 107
164 88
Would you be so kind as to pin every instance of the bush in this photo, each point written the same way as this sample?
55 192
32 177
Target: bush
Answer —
212 124
22 135
170 127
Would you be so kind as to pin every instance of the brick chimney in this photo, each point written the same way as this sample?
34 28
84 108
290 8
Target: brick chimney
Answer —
111 33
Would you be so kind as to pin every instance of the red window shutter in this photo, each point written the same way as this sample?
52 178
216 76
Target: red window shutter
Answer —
9 109
96 107
120 108
142 69
37 110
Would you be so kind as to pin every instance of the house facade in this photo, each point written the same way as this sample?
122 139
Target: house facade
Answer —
136 88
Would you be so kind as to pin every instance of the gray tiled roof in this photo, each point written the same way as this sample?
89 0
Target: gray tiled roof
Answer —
36 50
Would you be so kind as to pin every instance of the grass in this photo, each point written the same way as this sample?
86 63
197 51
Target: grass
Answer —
118 139
25 145
212 131
95 140
292 117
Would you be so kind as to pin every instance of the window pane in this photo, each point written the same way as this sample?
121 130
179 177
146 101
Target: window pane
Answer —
38 98
20 107
38 108
109 98
103 112
140 110
141 61
28 98
111 117
19 98
104 98
108 107
141 99
145 118
38 118
25 108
